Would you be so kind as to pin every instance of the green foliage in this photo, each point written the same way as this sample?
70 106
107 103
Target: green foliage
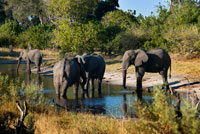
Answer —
38 36
188 13
114 23
161 117
8 33
133 38
33 94
76 37
9 89
190 122
185 38
22 11
118 18
76 10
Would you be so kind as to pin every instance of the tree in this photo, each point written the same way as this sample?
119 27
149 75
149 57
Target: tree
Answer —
104 7
38 36
27 10
73 10
76 37
114 22
2 12
8 33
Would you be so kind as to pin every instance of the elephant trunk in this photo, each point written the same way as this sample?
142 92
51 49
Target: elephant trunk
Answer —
19 61
124 78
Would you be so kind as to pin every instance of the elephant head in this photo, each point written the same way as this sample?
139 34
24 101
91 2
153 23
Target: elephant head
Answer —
23 55
133 57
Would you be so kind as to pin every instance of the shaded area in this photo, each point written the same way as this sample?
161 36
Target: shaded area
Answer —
12 54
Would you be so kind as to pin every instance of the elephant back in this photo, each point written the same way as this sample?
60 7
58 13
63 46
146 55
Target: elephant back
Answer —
35 55
94 65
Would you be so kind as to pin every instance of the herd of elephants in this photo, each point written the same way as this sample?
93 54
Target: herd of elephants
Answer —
83 69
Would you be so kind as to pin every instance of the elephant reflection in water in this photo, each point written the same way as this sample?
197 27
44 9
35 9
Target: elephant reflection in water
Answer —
80 105
125 107
37 80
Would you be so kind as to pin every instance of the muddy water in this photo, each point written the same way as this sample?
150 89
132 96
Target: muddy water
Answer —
115 102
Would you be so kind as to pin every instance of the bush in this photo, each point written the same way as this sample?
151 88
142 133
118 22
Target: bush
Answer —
76 37
185 38
38 36
161 116
8 33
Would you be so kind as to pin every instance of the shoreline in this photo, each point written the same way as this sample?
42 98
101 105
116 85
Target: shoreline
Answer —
180 83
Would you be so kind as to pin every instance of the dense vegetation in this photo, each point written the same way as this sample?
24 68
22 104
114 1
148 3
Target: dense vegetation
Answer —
96 25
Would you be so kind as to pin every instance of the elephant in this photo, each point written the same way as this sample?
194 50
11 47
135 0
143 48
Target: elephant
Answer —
153 61
95 68
31 56
68 72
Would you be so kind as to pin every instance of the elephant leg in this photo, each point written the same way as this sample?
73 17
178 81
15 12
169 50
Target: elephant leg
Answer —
87 85
82 91
57 87
38 68
92 85
99 87
28 66
139 75
64 89
165 81
76 90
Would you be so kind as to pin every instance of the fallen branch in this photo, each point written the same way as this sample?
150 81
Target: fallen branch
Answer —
20 125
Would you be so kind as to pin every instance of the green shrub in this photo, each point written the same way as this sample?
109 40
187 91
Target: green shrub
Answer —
161 117
38 36
185 38
8 33
9 89
76 37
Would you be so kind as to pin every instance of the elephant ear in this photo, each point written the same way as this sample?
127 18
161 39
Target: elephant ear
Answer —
141 57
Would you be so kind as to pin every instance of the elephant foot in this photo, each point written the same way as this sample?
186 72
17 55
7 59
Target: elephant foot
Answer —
63 97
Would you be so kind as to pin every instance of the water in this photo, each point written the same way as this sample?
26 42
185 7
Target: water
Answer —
116 102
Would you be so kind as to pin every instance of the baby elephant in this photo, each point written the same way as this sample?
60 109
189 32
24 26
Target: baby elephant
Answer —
66 73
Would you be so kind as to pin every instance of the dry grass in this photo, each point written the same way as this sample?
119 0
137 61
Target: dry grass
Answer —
80 123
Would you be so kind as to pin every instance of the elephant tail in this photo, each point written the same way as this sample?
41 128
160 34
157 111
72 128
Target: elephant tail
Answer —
63 70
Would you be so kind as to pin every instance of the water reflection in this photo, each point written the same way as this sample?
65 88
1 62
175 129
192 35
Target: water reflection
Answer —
115 102
94 106
37 80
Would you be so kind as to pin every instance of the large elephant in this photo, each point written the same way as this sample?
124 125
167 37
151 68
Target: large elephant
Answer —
95 67
153 61
66 73
31 56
